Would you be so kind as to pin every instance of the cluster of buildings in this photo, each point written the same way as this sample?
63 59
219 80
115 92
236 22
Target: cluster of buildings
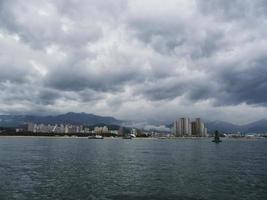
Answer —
48 128
185 127
103 130
67 128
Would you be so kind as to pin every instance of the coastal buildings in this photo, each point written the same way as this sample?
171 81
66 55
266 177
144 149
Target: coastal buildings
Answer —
70 129
101 130
185 127
48 128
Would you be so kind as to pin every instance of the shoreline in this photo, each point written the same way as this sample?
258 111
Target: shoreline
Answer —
137 138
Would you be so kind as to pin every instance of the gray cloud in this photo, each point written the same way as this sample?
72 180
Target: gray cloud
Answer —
129 58
247 85
233 10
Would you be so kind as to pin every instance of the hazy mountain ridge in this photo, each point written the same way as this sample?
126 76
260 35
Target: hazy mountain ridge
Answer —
68 118
259 126
222 126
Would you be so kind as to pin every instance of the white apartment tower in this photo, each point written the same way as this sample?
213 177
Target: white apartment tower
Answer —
200 128
182 127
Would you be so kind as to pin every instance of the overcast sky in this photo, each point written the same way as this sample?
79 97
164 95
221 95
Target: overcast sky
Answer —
135 59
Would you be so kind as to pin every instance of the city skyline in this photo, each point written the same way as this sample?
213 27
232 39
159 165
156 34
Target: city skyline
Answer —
182 127
135 60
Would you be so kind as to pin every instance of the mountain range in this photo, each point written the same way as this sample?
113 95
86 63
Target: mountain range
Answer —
226 127
91 119
68 118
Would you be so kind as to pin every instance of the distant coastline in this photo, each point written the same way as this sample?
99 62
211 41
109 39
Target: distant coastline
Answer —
119 137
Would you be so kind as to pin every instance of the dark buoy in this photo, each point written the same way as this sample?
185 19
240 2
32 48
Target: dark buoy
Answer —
216 137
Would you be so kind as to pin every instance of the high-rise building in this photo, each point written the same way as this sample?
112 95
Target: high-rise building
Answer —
177 125
194 128
105 129
66 129
205 132
200 128
121 131
182 127
30 127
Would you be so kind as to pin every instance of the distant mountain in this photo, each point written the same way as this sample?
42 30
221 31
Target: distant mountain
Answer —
222 126
68 118
225 127
256 127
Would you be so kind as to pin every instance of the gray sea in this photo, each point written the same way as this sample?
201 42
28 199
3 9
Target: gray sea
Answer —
185 169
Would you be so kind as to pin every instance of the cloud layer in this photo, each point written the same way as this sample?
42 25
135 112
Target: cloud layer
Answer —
135 59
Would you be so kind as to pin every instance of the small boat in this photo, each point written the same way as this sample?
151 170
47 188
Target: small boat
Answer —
95 137
127 137
216 137
162 138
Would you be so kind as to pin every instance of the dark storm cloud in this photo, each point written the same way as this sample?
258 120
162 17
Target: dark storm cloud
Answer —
248 85
233 9
11 93
41 26
132 54
103 77
78 82
186 34
6 18
12 74
192 38
48 97
158 92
